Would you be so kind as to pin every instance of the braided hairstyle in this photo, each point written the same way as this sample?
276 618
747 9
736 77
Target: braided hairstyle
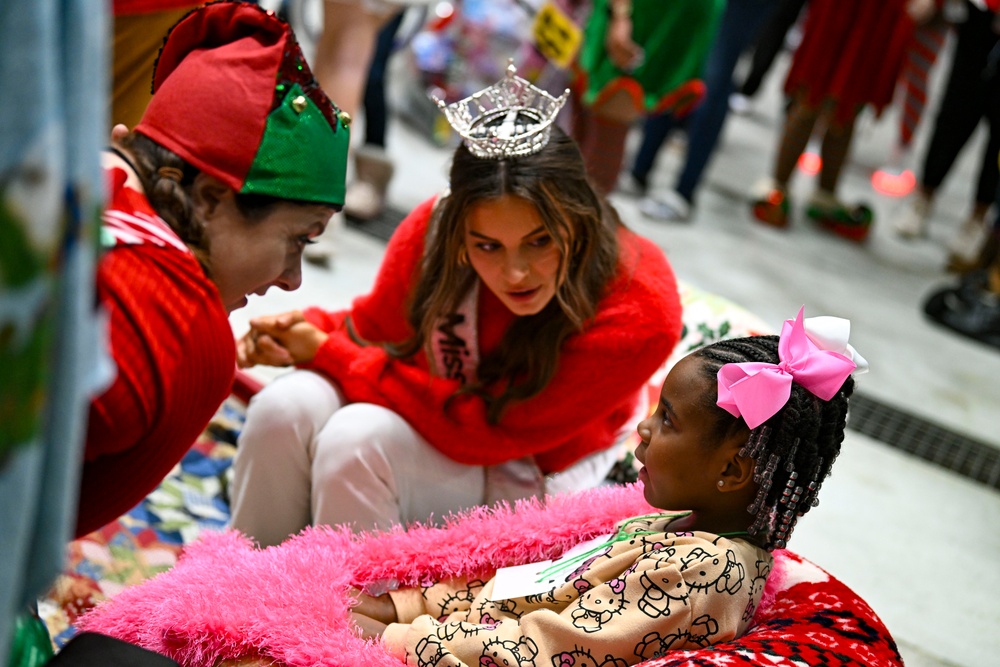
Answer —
793 450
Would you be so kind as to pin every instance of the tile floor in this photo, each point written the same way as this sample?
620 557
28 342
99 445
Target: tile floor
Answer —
918 542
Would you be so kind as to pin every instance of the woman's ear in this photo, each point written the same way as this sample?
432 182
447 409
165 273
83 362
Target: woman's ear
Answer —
209 197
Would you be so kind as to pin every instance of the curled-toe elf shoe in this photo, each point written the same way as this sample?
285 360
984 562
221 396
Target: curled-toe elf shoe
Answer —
850 222
770 205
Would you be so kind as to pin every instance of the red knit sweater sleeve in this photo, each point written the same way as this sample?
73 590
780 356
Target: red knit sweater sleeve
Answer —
600 373
172 345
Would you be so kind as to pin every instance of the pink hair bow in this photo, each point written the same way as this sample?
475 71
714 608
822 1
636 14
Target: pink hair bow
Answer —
819 360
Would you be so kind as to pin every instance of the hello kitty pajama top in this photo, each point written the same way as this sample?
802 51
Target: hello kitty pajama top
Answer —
617 604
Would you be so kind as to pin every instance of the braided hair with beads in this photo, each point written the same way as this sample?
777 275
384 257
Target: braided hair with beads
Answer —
793 450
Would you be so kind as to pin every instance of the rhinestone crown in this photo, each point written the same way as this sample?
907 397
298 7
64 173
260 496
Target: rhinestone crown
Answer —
511 118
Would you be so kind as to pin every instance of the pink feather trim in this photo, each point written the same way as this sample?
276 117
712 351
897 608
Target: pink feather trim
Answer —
227 599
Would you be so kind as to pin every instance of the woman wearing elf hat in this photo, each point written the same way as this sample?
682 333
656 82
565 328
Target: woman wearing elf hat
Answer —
237 164
501 353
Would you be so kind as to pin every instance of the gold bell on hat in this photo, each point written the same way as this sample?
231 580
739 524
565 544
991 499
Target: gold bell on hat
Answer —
345 118
299 104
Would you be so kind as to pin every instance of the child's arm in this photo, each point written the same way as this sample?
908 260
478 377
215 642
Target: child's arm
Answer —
691 593
440 600
369 627
372 613
378 608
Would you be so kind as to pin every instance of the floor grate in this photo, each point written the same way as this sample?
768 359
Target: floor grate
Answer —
974 459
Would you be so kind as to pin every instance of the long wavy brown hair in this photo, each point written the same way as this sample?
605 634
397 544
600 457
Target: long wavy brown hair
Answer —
583 227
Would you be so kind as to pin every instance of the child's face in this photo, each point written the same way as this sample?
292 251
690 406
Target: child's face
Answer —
682 462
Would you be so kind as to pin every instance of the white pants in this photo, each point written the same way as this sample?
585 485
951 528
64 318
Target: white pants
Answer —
305 456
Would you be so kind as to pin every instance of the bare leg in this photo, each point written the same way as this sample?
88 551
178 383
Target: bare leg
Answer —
344 51
834 151
769 195
799 124
852 222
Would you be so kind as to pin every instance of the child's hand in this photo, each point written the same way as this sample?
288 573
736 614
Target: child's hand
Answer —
259 346
369 627
379 608
622 51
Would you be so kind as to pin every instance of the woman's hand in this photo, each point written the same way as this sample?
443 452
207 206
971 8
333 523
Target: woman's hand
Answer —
379 608
279 340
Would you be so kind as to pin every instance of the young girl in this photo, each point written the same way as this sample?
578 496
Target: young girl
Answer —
745 432
475 370
850 57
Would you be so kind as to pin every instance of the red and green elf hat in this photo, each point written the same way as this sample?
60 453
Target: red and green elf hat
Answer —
234 97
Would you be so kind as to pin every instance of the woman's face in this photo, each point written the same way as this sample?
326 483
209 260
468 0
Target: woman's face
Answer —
249 256
513 253
682 461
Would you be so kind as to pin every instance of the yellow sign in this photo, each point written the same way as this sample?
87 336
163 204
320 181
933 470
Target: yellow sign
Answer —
556 35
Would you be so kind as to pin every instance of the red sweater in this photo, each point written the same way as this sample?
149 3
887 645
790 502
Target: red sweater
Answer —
173 346
593 393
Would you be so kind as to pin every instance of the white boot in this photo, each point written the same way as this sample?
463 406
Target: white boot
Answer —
365 197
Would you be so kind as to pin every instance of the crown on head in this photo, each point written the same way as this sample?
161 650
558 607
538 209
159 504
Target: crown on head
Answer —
511 118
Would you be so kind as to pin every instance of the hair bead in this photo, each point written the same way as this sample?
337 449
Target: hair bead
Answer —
791 456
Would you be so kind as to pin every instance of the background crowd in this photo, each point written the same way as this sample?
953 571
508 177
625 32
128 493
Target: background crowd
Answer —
638 76
717 63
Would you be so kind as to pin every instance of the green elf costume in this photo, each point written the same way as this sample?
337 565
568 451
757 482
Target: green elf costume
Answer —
674 38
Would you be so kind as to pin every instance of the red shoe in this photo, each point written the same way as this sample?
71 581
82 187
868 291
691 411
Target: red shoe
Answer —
772 208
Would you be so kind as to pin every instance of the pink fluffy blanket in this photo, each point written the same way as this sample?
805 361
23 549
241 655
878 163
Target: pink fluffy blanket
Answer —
228 599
